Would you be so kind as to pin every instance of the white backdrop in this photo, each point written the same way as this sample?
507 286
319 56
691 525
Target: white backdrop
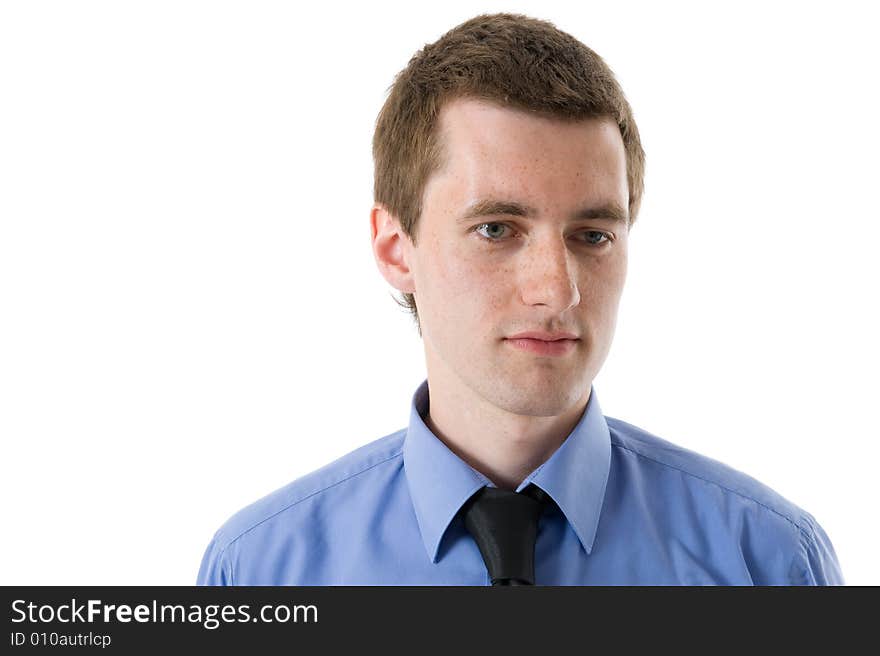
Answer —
190 313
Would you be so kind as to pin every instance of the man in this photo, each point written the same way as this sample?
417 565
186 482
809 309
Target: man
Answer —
509 172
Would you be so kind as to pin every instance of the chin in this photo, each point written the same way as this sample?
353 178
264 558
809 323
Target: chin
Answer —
540 400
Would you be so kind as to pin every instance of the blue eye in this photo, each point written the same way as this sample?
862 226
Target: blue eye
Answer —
595 237
596 232
486 225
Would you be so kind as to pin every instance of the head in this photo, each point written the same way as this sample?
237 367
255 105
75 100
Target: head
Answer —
508 108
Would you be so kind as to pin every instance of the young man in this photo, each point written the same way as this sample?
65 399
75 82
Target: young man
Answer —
509 172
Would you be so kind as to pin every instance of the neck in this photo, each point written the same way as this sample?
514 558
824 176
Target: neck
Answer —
504 446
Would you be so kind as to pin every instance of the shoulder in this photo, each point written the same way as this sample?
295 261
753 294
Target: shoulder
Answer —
342 476
776 540
703 472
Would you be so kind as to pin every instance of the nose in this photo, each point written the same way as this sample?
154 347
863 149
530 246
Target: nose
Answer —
548 276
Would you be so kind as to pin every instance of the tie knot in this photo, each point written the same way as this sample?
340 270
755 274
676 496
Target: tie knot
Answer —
504 525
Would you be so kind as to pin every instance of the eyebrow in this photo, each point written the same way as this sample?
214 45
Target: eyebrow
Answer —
492 207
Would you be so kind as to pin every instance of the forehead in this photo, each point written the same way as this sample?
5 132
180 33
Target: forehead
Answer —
491 147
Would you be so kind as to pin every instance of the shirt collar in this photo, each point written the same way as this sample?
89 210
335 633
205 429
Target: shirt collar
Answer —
440 482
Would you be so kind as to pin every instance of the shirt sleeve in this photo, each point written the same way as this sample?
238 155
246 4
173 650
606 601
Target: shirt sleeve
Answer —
816 562
215 569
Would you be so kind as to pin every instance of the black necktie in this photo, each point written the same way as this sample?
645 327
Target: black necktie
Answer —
505 525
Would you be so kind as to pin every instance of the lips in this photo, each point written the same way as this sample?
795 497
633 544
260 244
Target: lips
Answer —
555 347
544 336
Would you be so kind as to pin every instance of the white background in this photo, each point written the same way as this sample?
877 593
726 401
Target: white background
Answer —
190 312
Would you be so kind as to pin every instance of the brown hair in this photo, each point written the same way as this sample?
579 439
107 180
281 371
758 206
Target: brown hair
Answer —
511 60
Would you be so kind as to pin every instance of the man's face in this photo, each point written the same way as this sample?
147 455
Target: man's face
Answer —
480 280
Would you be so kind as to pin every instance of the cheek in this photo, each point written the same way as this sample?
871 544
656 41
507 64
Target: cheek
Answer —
601 289
465 282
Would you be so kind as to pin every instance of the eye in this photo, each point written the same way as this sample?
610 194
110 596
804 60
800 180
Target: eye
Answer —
598 234
490 237
493 232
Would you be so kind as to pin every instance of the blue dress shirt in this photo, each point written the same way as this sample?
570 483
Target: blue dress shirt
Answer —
630 509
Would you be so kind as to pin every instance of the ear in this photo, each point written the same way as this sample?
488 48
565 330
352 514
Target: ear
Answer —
392 249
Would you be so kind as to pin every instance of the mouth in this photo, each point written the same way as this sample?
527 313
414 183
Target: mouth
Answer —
542 347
